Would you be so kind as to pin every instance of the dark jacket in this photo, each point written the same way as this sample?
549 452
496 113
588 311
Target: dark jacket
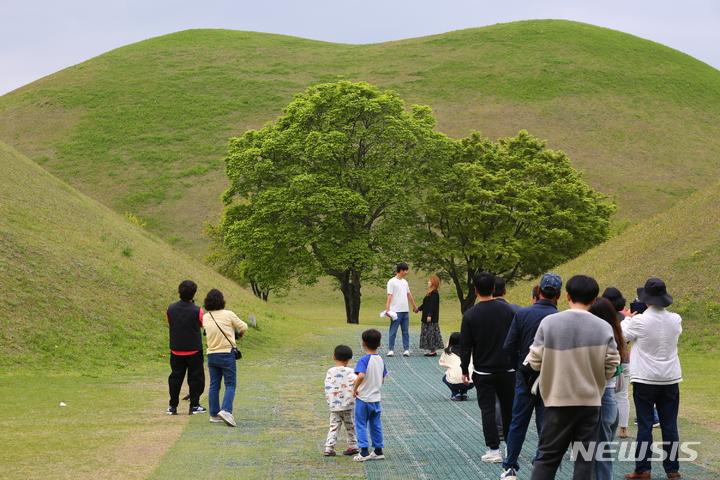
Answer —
184 320
482 334
523 328
430 307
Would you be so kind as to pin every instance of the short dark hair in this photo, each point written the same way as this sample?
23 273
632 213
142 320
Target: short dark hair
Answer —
214 300
535 294
371 338
615 297
343 353
500 286
484 283
187 290
548 294
582 289
402 266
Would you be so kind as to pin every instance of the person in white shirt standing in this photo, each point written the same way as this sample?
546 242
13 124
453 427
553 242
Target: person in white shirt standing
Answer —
398 295
655 373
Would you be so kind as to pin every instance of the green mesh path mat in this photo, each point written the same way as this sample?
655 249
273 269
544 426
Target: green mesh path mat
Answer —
428 436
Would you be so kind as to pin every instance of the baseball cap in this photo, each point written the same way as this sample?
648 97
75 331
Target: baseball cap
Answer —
551 283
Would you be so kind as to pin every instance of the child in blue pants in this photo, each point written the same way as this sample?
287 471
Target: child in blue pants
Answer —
370 371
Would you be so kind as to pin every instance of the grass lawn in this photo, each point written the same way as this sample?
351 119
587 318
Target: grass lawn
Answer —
111 426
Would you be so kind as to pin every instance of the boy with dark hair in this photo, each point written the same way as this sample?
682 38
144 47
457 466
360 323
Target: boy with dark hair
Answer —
186 349
482 334
371 373
575 353
339 385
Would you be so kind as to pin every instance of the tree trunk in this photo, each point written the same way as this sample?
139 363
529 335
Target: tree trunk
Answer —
465 291
258 292
350 288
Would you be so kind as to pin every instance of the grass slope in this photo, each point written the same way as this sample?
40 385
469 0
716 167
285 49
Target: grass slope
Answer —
86 289
681 246
143 128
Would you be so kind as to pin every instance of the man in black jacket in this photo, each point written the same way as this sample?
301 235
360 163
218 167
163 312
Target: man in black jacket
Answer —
186 349
482 335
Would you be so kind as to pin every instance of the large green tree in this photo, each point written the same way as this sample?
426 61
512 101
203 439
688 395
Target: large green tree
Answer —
512 208
327 188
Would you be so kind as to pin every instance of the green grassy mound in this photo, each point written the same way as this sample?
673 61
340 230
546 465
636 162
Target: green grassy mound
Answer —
84 289
143 128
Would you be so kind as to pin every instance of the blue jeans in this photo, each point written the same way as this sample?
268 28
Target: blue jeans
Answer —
609 420
367 415
222 368
667 400
457 388
403 321
523 406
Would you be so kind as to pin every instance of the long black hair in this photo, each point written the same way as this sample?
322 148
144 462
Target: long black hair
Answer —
604 309
453 344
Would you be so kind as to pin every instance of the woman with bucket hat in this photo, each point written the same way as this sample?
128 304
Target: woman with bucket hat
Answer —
655 373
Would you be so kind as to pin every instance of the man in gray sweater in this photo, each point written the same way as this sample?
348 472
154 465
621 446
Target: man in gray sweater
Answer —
575 353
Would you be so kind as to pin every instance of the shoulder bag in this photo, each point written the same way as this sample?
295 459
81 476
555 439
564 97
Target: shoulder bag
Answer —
234 350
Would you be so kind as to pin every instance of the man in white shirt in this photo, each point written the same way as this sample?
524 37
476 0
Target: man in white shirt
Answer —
398 295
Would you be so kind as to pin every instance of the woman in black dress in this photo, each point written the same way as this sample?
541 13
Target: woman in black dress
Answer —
430 338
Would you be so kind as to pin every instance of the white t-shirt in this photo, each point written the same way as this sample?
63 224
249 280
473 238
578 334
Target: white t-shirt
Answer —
374 369
399 290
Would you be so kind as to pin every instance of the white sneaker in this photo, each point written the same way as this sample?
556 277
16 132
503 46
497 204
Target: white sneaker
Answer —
227 417
391 353
406 353
492 457
216 419
362 458
509 474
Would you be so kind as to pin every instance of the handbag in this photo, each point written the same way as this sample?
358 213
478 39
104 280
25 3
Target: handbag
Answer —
620 383
234 350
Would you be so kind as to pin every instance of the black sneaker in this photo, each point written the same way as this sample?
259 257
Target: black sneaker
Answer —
196 409
172 411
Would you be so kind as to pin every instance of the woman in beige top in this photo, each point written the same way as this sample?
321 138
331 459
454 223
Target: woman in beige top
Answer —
220 326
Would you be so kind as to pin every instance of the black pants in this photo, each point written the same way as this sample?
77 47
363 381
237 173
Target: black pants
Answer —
194 366
502 386
561 426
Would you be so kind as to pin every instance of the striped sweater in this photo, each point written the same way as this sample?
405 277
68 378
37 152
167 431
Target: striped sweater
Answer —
575 352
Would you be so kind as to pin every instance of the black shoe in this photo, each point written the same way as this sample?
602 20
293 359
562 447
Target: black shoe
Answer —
172 411
431 354
196 409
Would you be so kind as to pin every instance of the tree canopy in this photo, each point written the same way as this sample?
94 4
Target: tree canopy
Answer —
347 183
512 209
326 189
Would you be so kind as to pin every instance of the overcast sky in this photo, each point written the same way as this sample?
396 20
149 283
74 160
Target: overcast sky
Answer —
40 37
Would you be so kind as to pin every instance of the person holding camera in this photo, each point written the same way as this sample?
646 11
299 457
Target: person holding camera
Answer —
655 374
220 326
